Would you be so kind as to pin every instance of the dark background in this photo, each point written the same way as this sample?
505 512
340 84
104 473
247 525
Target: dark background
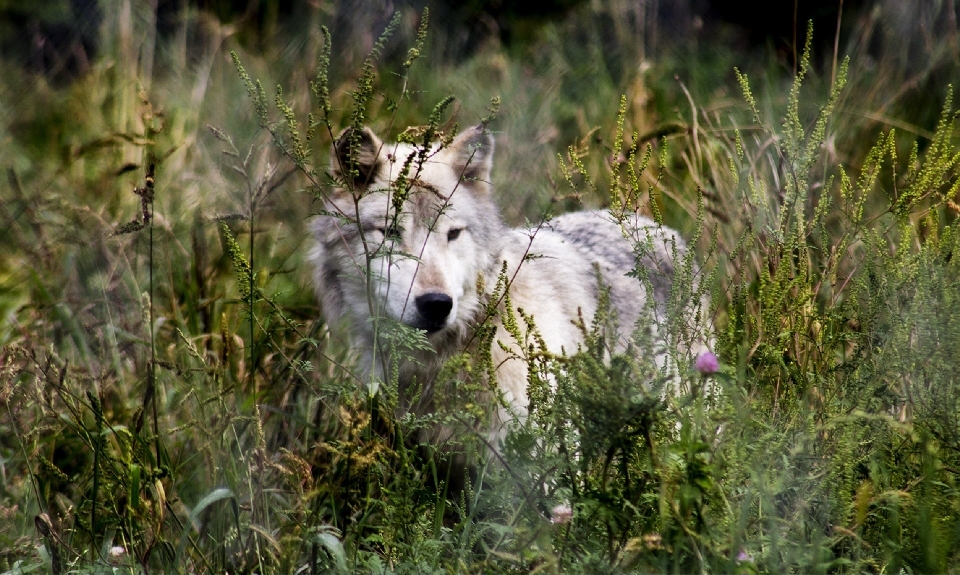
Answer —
60 38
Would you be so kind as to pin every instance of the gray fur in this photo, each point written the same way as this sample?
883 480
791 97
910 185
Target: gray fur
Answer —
449 234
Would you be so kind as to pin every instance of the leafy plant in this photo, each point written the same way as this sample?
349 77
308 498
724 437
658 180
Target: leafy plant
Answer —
172 402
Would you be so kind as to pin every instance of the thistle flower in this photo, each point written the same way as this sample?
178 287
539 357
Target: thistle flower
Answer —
561 514
707 363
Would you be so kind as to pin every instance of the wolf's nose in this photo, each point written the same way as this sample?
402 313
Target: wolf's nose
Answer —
434 307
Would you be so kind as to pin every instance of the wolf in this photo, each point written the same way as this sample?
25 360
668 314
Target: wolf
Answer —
411 234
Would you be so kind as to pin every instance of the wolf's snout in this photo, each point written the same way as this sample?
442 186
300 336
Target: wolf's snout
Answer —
434 307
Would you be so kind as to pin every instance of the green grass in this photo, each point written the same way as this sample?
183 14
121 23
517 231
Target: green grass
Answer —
173 390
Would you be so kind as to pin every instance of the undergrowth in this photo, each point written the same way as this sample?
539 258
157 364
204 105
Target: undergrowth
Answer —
173 401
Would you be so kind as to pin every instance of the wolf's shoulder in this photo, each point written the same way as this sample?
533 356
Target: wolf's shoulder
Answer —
602 236
621 245
592 226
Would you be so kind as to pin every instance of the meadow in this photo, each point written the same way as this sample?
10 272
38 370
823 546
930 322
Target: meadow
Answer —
172 401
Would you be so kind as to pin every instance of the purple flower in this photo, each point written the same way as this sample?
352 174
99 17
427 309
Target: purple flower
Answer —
707 363
116 554
561 514
744 557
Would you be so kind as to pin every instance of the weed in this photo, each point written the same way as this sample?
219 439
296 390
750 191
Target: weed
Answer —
172 401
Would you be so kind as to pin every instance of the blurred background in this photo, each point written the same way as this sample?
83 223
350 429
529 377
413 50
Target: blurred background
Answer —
73 68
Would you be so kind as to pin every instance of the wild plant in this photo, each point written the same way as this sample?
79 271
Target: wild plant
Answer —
795 274
171 401
390 444
807 252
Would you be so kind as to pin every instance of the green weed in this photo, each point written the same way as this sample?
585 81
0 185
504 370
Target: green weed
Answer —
173 402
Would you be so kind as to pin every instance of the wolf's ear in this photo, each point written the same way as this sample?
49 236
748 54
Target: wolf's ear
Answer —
356 157
472 152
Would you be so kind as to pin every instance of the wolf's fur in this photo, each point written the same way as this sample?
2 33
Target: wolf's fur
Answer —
447 235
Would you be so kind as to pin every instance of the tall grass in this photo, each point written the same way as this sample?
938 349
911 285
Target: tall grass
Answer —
173 401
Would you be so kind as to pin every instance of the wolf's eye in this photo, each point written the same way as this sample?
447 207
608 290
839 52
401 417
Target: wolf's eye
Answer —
392 233
454 234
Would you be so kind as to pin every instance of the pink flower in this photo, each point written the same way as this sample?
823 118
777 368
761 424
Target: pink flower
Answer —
707 363
561 514
744 557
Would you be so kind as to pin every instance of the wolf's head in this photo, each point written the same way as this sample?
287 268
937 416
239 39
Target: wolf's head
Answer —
407 231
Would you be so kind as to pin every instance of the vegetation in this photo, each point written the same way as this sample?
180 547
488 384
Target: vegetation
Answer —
172 400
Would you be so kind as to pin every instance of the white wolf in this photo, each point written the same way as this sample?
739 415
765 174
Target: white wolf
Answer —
409 244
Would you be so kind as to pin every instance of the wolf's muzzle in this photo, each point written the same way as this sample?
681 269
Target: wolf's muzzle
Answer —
433 307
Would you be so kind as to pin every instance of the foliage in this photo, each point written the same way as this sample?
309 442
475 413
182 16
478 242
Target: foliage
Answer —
172 401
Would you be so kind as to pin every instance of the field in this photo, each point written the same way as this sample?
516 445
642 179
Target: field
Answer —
172 401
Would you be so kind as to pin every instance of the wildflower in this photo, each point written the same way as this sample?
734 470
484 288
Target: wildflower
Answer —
744 557
561 514
117 552
707 363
